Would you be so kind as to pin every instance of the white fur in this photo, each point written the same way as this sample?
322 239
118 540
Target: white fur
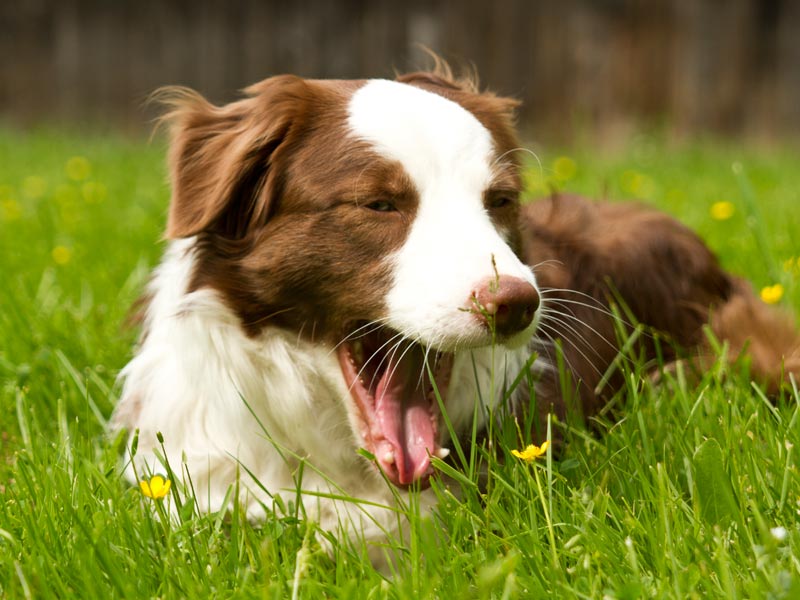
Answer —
228 405
453 245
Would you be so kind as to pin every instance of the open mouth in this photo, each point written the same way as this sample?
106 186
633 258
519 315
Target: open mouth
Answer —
389 382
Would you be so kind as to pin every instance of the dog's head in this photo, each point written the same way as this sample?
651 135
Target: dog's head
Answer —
378 217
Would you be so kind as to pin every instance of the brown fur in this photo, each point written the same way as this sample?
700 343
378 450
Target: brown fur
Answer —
590 255
766 336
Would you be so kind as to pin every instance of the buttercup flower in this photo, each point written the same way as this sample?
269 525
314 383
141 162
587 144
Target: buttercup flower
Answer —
564 168
156 488
722 211
11 210
772 293
532 452
61 255
78 168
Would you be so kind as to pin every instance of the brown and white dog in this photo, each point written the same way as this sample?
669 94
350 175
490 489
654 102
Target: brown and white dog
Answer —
340 248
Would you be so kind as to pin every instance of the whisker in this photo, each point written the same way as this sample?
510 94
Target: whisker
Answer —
556 318
269 316
577 349
644 332
426 363
376 324
545 345
547 290
397 363
371 356
520 149
547 262
356 195
389 354
550 313
598 308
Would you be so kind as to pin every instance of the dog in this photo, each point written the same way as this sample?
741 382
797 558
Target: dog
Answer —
348 260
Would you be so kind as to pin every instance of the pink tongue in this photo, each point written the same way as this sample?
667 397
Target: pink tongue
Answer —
404 415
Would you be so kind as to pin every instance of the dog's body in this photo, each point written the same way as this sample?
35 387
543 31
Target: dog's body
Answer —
340 249
595 254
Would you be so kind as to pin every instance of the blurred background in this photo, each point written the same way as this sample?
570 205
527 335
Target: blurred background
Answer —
597 68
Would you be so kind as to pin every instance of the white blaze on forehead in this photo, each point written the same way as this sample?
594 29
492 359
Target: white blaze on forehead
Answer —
430 135
452 245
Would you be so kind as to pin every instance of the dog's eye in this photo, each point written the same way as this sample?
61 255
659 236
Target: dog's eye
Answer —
500 201
381 206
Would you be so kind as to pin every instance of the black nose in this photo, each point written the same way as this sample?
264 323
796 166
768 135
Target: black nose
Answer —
506 303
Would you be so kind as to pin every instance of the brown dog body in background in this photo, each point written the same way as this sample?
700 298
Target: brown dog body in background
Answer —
591 255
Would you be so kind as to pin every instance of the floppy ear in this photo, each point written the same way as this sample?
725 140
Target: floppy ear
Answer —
220 158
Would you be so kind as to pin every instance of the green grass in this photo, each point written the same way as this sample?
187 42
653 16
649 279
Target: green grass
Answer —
685 496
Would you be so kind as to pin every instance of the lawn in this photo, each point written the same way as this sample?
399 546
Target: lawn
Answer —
692 492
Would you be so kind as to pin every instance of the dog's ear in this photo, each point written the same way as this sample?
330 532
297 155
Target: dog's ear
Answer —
221 158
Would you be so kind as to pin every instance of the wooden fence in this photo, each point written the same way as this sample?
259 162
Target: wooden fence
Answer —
723 66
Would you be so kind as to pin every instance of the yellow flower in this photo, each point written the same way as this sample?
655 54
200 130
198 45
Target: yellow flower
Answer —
532 452
62 255
78 168
722 211
772 293
156 488
11 210
791 265
564 168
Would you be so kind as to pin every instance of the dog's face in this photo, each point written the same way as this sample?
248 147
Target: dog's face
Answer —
376 217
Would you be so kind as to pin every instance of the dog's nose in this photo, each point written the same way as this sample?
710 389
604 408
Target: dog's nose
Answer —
506 303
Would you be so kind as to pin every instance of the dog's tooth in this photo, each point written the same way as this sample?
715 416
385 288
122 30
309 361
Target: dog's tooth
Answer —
443 453
388 458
